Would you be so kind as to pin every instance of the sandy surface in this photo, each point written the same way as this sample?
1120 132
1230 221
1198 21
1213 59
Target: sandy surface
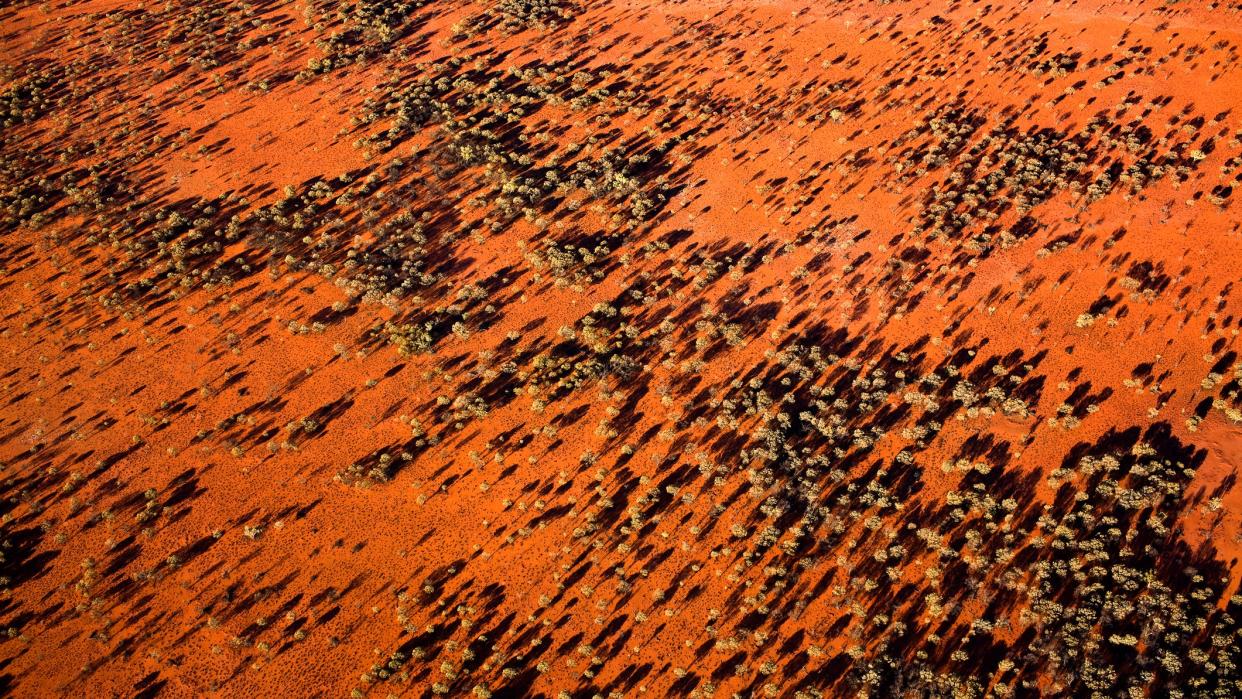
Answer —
620 348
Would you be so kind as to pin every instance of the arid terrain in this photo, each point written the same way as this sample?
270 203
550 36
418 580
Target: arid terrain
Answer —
579 348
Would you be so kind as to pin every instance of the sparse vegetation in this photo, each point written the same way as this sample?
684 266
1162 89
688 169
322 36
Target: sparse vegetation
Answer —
566 348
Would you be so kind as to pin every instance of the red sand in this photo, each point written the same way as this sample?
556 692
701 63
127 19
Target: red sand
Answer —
657 458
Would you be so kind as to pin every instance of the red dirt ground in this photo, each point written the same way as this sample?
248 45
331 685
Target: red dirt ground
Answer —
548 348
